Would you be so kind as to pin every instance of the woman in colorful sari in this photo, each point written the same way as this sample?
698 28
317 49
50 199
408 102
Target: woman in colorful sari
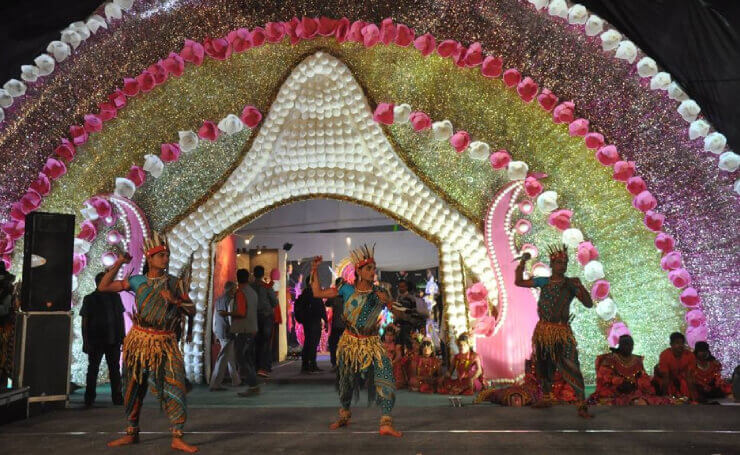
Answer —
466 364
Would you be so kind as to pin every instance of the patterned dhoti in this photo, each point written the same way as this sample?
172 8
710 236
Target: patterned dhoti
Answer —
554 349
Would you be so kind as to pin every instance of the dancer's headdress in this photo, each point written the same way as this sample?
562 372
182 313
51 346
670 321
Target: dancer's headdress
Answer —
362 256
155 244
557 252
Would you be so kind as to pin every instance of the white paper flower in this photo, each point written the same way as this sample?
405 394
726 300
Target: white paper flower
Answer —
736 186
479 151
81 28
594 25
547 201
401 113
59 50
675 92
517 170
729 161
626 51
577 14
593 271
29 73
15 88
81 246
2 115
442 130
715 143
95 23
71 37
606 309
660 81
153 165
125 188
188 141
558 8
538 4
45 63
88 212
6 100
646 67
231 124
689 110
610 39
112 11
124 4
541 269
698 128
75 283
572 237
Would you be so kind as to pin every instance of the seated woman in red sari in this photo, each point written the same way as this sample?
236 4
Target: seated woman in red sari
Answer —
621 378
428 367
466 365
394 352
671 374
705 376
411 356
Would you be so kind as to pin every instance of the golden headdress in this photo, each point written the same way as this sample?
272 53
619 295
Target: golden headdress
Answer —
362 256
557 252
155 244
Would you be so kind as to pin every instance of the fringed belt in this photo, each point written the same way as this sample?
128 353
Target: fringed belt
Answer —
357 352
548 335
148 349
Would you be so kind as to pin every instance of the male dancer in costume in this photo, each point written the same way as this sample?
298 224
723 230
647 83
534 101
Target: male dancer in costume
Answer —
553 344
360 354
151 356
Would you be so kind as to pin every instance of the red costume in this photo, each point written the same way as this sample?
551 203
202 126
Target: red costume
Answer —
622 382
708 382
465 366
398 362
427 374
672 373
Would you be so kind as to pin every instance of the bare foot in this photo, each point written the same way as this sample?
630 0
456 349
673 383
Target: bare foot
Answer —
179 444
124 440
339 424
387 430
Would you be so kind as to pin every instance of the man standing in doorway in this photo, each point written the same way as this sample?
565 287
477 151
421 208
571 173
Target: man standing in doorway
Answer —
265 317
221 329
244 326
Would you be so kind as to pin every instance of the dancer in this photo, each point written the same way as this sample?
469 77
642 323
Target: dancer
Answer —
360 354
428 367
466 364
705 376
554 347
151 356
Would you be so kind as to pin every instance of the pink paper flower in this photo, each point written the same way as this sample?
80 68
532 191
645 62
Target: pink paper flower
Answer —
447 48
578 127
6 245
690 298
54 168
671 261
107 111
88 231
16 212
476 292
623 170
696 334
594 140
425 44
158 71
474 55
600 290
370 35
500 159
564 112
130 87
208 131
485 326
137 175
78 133
636 185
560 219
460 141
512 77
664 242
101 205
117 98
274 32
340 34
327 26
93 123
169 152
66 150
547 99
355 31
251 116
492 66
587 252
679 277
291 30
42 184
217 48
174 64
240 39
387 31
404 35
258 36
695 318
527 89
654 221
146 81
644 201
384 114
532 186
308 28
420 121
79 262
192 52
30 201
14 229
477 308
607 155
617 330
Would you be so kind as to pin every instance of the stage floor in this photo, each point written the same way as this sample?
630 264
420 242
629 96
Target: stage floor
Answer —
293 411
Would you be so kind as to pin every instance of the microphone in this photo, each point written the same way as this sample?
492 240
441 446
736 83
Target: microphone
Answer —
525 256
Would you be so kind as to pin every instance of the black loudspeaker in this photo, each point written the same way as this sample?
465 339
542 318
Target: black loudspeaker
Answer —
48 287
42 355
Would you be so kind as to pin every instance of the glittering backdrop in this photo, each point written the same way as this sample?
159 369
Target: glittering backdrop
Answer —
644 125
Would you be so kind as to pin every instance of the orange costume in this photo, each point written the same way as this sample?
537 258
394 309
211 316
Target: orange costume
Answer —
427 374
672 373
707 381
623 381
465 366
